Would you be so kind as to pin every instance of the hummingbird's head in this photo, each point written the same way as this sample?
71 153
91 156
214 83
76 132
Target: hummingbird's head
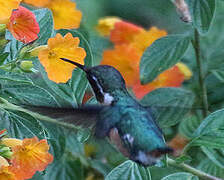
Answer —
103 79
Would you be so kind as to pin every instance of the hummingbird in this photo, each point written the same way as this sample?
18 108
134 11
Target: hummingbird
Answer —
130 126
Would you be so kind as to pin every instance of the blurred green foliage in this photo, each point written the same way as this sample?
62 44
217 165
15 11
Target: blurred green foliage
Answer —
206 146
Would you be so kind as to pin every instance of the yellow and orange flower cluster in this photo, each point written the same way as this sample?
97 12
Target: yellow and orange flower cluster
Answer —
20 21
65 14
130 42
27 157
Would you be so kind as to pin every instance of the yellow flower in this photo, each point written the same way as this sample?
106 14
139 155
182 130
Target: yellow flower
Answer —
37 3
65 14
105 25
11 142
6 7
185 70
61 47
144 39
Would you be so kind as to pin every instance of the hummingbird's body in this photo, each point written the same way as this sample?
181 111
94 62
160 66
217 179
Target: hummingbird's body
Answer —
129 125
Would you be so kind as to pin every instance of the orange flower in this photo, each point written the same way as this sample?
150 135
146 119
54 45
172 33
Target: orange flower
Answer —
6 9
172 77
30 157
8 173
124 32
65 14
125 59
37 3
144 39
61 47
105 25
23 25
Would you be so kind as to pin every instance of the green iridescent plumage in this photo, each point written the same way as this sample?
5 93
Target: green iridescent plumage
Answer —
128 124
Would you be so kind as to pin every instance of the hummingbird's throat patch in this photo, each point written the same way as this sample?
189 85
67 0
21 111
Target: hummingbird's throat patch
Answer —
102 97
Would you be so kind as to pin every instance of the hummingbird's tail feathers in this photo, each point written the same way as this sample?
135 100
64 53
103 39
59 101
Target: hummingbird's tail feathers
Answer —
84 116
75 63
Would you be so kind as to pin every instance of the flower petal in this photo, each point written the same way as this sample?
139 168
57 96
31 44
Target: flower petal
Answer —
37 3
105 25
6 9
65 14
61 47
23 25
126 60
172 77
145 38
31 156
124 32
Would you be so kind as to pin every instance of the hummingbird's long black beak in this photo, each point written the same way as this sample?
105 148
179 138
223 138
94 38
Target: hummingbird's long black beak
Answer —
75 63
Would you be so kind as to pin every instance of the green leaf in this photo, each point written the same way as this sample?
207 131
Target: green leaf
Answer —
219 75
61 90
29 94
10 77
169 104
3 57
45 21
210 133
202 12
188 126
161 55
13 47
215 155
180 176
67 168
21 125
209 167
129 171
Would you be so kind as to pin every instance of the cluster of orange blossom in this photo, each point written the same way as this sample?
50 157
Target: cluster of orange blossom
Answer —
21 159
65 14
130 41
22 23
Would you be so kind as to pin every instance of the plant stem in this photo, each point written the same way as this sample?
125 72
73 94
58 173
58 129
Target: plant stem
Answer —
196 45
192 170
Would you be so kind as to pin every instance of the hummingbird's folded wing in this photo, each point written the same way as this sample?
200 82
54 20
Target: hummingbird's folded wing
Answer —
84 116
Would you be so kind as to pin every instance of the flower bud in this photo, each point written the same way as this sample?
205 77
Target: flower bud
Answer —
5 152
2 29
26 65
34 52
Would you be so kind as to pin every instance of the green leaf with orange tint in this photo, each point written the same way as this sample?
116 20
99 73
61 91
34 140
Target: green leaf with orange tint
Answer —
161 55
